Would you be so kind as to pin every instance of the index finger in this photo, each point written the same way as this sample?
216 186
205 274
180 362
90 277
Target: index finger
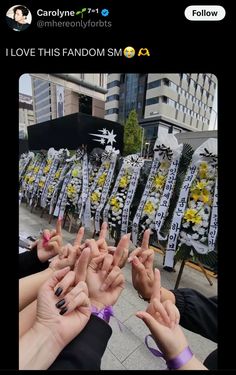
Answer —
145 241
79 237
58 225
156 291
121 247
103 231
82 264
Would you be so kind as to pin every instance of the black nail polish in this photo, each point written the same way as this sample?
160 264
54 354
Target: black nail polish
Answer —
63 310
58 291
60 303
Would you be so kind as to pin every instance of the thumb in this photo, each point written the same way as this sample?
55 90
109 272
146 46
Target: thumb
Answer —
154 326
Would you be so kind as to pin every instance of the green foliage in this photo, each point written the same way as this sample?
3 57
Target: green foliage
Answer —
132 134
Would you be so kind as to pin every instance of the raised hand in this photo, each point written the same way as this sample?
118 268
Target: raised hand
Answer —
67 257
163 321
65 320
105 283
78 240
142 267
121 252
50 243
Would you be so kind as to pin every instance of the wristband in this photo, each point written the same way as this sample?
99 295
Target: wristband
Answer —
180 360
104 314
174 363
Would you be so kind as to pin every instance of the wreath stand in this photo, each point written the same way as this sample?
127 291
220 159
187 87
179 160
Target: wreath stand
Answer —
181 272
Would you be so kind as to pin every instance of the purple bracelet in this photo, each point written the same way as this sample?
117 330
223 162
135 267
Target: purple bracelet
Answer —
175 363
104 314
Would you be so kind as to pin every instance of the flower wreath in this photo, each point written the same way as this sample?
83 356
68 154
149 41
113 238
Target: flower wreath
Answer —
117 209
99 189
75 185
194 225
159 187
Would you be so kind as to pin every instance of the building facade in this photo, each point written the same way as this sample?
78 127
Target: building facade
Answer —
164 102
56 95
26 114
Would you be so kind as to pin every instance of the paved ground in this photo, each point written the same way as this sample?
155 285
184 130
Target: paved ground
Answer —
126 349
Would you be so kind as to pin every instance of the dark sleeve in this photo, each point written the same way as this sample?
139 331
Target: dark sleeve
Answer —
85 351
197 312
29 263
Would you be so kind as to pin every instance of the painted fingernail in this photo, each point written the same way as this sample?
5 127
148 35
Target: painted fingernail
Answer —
63 310
60 303
58 291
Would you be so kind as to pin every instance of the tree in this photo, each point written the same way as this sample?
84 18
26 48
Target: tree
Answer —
132 134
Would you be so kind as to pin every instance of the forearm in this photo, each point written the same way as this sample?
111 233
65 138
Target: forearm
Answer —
27 318
167 294
37 349
29 286
193 364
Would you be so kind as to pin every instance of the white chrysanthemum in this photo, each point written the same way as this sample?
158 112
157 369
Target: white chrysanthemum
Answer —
205 224
195 236
201 231
186 224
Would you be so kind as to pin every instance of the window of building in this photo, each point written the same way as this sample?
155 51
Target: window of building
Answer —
85 104
112 97
152 85
151 101
113 84
111 111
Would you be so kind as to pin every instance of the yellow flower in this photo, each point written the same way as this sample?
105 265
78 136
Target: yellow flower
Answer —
195 194
203 168
159 181
201 185
149 208
75 173
57 174
206 196
95 197
123 182
50 188
191 215
71 189
31 179
46 169
41 184
106 164
115 204
36 169
102 179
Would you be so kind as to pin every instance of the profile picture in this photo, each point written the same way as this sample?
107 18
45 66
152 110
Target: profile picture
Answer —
18 17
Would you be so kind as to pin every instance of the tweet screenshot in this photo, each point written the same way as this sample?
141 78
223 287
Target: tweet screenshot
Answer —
115 113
